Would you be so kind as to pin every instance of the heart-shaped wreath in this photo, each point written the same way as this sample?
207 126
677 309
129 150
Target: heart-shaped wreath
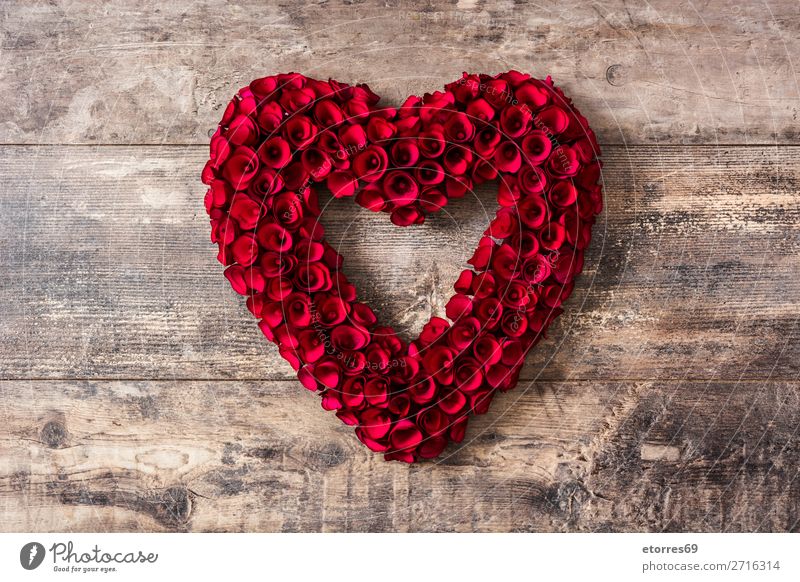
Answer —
281 134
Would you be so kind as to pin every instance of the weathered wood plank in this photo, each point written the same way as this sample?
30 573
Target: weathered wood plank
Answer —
654 72
262 456
108 272
704 457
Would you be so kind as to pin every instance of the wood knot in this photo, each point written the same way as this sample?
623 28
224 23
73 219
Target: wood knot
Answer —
173 507
616 75
327 456
54 434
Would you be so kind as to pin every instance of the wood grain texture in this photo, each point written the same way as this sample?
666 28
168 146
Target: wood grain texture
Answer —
137 394
719 71
572 456
109 272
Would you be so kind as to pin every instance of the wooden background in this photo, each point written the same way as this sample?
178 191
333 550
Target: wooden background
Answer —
137 393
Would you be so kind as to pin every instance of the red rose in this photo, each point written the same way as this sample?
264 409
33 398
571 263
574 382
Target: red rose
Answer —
312 345
515 295
245 250
552 295
532 211
487 141
567 266
405 435
531 180
509 193
342 184
353 136
370 164
463 333
507 157
458 429
429 173
526 243
406 216
316 162
331 310
298 313
480 109
483 171
466 88
505 262
348 338
235 275
274 237
498 93
433 421
552 236
457 160
328 114
405 153
458 128
270 117
459 306
453 402
433 330
378 130
431 143
563 162
219 193
297 99
487 350
275 264
513 323
536 269
219 149
326 372
375 423
245 211
432 447
484 285
376 391
371 197
287 209
489 311
275 153
265 184
457 186
400 188
532 95
422 391
264 87
469 375
515 120
438 362
331 400
536 147
352 394
354 363
242 131
432 199
399 405
483 254
553 120
299 131
241 168
504 225
563 194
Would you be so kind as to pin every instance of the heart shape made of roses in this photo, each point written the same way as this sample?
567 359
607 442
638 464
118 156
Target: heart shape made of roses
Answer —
283 133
